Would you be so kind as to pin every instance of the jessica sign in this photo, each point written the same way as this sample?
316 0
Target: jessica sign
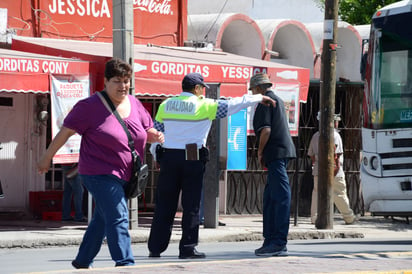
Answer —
98 8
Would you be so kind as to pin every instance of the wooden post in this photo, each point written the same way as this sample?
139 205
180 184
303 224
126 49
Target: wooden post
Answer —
211 179
327 109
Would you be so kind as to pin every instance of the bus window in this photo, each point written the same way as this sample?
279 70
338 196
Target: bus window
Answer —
392 92
396 93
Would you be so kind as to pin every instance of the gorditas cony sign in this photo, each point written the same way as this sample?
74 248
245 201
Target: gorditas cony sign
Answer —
156 21
33 66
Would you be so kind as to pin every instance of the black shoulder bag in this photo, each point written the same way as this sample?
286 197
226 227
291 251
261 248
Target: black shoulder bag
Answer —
138 181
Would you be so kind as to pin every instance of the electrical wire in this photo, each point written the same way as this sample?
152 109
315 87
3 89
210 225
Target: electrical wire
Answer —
24 28
217 17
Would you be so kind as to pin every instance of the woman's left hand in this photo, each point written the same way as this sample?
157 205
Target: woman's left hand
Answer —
160 137
154 136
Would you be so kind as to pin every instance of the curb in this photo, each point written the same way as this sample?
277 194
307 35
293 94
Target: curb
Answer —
234 236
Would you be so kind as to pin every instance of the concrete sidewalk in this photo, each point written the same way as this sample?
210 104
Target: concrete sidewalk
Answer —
34 233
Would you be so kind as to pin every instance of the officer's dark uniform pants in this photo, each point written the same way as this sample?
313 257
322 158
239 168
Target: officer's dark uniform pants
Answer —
177 174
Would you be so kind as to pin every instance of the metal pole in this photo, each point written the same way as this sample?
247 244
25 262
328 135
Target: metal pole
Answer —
123 49
327 109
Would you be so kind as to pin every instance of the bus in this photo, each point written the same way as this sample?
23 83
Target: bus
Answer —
386 164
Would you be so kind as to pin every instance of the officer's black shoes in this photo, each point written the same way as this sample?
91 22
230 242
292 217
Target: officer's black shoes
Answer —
219 223
154 255
193 254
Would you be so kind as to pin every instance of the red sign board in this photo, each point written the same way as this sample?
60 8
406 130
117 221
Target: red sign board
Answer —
211 72
35 66
32 74
154 77
156 21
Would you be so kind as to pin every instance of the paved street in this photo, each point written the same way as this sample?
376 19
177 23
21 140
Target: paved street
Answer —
305 256
371 244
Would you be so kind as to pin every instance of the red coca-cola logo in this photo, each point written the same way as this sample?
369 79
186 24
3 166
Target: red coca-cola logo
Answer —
154 6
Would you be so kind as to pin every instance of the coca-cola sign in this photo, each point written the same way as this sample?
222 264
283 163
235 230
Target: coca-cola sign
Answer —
154 6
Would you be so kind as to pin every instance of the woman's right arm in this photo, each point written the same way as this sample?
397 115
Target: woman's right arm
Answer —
59 140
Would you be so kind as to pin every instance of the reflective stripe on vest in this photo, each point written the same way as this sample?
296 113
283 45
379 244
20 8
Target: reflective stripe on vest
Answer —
187 108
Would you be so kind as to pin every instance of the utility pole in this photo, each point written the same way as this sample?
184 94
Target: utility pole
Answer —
211 178
123 49
123 37
327 109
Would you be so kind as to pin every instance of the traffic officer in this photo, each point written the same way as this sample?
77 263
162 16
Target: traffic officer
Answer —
185 121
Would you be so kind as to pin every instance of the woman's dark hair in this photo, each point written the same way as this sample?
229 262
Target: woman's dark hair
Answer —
117 67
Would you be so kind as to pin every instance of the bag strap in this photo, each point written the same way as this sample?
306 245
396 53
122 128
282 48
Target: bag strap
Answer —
105 98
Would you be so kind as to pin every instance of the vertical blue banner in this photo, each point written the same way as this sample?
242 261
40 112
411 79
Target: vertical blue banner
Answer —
237 141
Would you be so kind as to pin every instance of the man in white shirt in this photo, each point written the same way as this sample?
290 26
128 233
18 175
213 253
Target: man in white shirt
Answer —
340 196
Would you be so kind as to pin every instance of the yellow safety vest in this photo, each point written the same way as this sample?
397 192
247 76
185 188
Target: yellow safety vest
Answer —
187 108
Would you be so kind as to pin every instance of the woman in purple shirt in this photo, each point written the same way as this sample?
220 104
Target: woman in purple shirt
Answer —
105 162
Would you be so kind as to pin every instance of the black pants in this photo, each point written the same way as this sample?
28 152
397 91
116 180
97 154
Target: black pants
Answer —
177 174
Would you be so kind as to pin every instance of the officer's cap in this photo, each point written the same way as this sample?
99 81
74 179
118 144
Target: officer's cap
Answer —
193 79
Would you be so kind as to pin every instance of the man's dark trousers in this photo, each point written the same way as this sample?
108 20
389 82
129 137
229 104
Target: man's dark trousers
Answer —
177 174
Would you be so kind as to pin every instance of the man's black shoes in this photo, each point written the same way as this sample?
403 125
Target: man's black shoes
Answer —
193 254
154 255
78 266
219 223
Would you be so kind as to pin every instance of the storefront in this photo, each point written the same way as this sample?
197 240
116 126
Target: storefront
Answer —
25 84
159 71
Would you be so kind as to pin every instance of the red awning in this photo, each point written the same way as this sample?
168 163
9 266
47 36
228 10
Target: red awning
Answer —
159 70
162 87
27 83
232 90
29 73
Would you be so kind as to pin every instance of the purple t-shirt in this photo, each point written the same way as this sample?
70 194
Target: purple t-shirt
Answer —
104 147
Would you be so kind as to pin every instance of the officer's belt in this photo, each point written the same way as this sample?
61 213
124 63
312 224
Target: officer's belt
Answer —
173 149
